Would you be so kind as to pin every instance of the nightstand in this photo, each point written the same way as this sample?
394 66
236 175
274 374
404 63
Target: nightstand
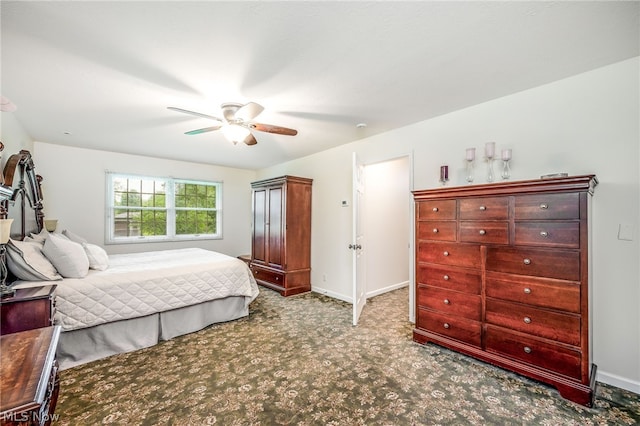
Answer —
27 309
29 382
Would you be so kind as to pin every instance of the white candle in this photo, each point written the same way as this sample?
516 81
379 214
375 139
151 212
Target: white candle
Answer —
490 149
471 154
506 154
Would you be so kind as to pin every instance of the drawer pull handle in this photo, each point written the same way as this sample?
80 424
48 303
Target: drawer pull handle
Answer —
446 278
435 209
482 232
527 290
446 253
544 206
527 349
527 320
544 234
483 208
446 325
435 230
446 301
527 261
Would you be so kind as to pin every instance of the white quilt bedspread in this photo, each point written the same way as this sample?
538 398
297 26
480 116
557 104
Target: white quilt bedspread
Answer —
140 284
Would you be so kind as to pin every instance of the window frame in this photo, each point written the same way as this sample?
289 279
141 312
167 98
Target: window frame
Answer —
170 209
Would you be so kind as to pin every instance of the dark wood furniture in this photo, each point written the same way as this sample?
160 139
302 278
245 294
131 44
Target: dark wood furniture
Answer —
29 381
28 308
281 234
502 274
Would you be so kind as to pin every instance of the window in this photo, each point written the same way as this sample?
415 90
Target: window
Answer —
145 209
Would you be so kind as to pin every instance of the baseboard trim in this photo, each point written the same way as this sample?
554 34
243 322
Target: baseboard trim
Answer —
387 289
618 381
331 294
369 294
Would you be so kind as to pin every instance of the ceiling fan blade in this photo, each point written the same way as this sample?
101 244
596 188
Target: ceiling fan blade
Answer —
204 130
197 114
249 111
250 140
273 129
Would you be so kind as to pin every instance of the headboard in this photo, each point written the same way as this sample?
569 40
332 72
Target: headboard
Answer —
27 195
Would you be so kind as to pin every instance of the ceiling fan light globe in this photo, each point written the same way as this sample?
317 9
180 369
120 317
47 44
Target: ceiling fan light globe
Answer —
235 133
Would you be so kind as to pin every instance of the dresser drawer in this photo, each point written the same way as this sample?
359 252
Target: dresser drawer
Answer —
543 292
450 302
547 206
437 230
534 351
548 234
451 277
436 210
484 232
539 322
466 255
457 328
268 276
489 208
561 264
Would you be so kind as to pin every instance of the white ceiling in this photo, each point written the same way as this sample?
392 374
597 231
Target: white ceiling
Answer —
106 71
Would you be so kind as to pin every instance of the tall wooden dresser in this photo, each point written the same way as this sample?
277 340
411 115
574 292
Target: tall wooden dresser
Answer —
502 274
281 234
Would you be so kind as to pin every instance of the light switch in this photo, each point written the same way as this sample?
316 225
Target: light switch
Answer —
625 232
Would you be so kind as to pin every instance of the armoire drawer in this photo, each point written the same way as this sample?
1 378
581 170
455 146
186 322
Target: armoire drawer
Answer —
484 232
560 264
436 210
450 302
548 234
562 327
437 230
486 208
466 255
268 276
451 277
534 351
457 328
543 292
547 206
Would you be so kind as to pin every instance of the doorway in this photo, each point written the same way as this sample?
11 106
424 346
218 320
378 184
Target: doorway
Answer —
387 207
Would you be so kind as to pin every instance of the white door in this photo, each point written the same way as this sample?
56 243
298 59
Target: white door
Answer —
357 245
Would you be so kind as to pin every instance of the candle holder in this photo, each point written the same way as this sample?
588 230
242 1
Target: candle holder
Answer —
506 169
444 174
489 151
470 157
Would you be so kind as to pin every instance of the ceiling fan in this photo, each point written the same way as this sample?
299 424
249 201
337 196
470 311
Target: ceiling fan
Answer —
237 123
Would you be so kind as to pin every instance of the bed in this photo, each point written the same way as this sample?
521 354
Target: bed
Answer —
123 302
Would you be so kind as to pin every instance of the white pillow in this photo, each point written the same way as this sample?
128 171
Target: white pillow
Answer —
98 257
73 237
39 237
26 261
68 257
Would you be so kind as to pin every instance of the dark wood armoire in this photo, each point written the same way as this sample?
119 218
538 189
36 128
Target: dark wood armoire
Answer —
281 234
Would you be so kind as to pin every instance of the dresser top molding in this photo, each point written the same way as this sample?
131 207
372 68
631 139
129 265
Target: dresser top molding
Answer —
584 183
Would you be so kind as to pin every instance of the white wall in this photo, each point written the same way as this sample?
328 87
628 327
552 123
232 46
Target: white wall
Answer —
386 208
74 193
585 124
14 137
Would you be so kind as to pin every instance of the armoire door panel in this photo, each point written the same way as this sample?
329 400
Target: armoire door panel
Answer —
275 226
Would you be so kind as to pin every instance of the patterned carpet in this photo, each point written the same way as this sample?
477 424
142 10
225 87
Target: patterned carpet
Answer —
299 361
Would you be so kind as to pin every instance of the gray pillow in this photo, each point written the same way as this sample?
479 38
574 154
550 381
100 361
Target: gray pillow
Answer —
26 261
67 256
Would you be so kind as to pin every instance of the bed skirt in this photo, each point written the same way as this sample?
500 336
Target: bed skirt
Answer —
78 347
